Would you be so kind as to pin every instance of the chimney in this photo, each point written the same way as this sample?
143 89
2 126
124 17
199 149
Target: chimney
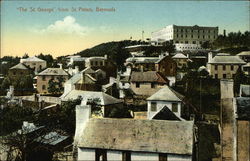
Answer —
210 57
76 69
106 56
83 114
60 65
226 88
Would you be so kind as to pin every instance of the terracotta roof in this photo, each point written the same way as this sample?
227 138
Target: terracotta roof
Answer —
53 71
149 76
175 137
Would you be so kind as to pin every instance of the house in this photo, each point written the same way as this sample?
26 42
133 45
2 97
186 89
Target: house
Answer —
163 64
105 101
246 69
48 74
235 123
18 71
165 98
181 60
102 63
245 55
34 63
132 139
223 65
147 83
244 90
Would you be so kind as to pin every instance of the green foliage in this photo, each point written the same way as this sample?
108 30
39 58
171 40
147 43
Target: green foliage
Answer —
56 85
239 78
12 117
10 62
232 40
156 50
48 58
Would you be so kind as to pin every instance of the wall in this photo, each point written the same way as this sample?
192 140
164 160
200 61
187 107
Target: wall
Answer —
41 82
136 156
220 70
179 158
145 89
243 140
114 155
160 105
86 154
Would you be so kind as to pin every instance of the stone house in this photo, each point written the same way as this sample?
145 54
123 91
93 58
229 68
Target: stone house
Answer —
165 98
34 63
132 139
18 71
147 83
45 76
102 63
181 60
223 66
245 55
162 64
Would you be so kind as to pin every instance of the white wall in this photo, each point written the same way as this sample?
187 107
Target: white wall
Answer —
144 156
179 157
86 154
172 81
114 155
160 105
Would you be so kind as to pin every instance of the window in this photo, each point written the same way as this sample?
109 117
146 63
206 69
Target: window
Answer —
176 41
194 42
91 63
186 42
186 35
100 155
175 107
152 85
224 67
153 106
177 35
43 77
224 76
181 35
137 85
203 37
123 84
215 67
44 87
216 76
209 36
96 63
14 73
192 36
126 156
163 157
52 77
232 67
233 75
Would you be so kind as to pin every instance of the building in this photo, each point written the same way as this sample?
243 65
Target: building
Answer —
105 101
132 139
34 63
165 97
102 63
18 71
181 60
223 65
185 37
244 90
245 55
235 124
163 64
147 83
45 76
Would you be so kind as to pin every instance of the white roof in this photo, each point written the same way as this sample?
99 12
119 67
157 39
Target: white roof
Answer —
32 59
224 58
180 56
104 98
165 94
244 53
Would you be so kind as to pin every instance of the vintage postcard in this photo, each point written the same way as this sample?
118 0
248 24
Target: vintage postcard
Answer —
115 80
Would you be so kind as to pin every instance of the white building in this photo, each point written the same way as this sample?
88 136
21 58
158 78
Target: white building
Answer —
165 97
132 139
34 63
185 37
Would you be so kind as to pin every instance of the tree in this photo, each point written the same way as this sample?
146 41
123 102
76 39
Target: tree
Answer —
239 78
48 58
206 45
56 85
25 56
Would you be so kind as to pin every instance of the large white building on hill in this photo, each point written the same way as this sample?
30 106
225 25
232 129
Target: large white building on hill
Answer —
185 37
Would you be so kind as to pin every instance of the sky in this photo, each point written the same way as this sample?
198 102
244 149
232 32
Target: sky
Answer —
67 27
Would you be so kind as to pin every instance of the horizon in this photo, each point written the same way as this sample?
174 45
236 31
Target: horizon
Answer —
35 27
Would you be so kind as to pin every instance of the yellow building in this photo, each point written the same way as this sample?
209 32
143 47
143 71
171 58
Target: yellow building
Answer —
223 65
45 76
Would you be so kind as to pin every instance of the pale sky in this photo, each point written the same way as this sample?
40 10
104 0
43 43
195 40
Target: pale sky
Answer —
33 30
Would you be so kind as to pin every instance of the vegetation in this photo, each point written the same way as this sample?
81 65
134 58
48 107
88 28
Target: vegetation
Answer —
56 85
